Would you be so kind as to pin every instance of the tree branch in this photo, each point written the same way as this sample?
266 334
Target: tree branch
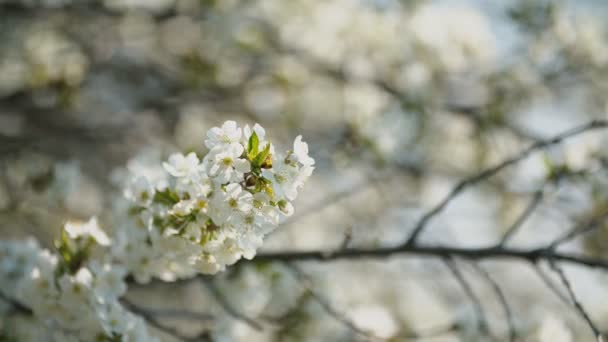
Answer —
502 298
16 305
482 322
431 333
306 283
151 319
228 307
592 224
549 283
536 200
530 255
577 304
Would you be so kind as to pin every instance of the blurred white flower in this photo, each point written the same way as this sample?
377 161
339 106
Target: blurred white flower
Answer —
87 229
182 166
78 306
553 329
459 37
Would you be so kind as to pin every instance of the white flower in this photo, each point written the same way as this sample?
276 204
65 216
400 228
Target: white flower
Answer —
225 165
76 289
208 265
300 153
137 331
553 329
109 281
262 206
237 198
91 228
71 307
250 229
213 212
228 253
287 178
259 131
183 208
224 203
37 287
286 207
228 134
182 166
197 185
139 190
114 320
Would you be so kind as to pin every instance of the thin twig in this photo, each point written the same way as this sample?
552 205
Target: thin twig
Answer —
489 172
228 307
180 314
577 304
348 238
536 200
502 298
16 305
431 333
151 319
482 322
305 281
591 225
549 283
359 187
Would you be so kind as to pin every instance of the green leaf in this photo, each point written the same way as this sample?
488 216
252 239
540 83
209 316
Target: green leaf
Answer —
166 197
253 145
259 159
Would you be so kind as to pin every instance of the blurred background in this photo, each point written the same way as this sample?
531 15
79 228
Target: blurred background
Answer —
398 100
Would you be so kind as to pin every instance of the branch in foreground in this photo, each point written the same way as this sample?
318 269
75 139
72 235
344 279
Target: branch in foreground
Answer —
16 305
529 255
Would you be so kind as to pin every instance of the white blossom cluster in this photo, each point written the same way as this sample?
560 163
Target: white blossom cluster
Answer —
198 215
182 216
72 294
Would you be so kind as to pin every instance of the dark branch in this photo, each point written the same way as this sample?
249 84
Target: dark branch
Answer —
151 319
180 314
530 255
592 224
502 298
577 304
16 305
482 322
306 283
74 8
536 200
549 283
431 333
228 307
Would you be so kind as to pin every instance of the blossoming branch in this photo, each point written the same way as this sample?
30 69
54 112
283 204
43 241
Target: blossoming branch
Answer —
181 217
